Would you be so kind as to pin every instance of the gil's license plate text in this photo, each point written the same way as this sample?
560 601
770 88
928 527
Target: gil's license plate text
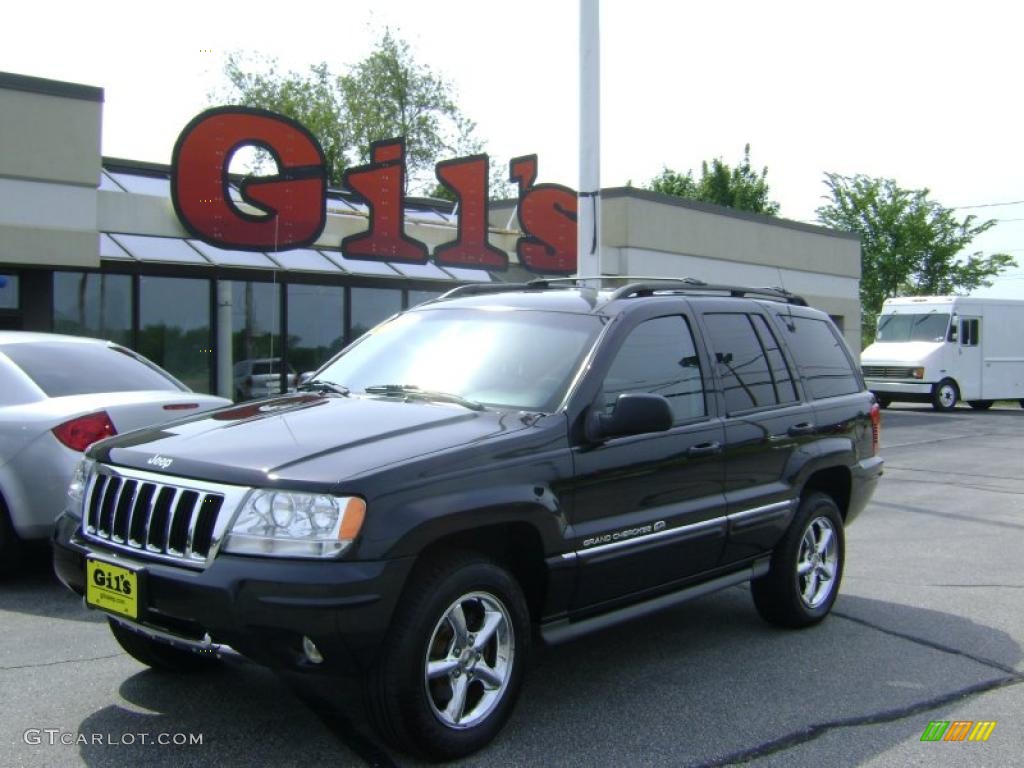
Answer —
112 588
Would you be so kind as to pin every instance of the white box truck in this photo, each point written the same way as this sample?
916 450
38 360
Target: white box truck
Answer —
944 349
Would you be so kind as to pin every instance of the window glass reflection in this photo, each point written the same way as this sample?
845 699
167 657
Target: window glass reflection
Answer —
174 332
371 306
316 324
256 340
90 304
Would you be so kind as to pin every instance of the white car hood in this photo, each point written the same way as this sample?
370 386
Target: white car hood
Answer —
906 352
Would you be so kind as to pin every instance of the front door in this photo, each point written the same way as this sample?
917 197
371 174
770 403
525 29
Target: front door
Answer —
648 510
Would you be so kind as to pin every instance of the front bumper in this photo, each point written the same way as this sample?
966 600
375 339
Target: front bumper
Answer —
260 607
900 389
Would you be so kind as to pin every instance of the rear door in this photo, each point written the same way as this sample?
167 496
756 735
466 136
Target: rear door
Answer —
969 370
648 510
766 421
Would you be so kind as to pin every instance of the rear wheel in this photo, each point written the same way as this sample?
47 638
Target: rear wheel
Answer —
883 401
454 660
806 567
160 656
980 405
945 395
10 545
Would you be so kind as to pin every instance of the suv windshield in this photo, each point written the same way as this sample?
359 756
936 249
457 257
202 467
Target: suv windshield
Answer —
518 359
929 327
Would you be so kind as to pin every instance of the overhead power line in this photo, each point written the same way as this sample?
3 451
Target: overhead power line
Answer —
989 205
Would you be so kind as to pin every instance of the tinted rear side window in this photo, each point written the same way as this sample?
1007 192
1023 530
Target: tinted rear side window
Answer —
820 356
61 369
742 363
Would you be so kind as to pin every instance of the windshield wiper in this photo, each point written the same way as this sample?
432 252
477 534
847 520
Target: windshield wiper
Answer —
411 390
320 385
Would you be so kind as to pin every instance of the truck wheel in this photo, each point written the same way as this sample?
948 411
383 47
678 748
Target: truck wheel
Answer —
10 545
945 395
160 656
806 567
980 405
453 661
883 401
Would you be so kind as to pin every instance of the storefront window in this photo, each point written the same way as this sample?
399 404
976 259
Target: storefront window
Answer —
316 324
174 327
256 340
89 304
418 297
370 306
8 291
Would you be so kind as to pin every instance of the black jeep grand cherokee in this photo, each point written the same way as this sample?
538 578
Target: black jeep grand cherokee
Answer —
543 455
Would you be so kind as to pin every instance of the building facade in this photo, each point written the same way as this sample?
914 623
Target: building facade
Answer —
92 246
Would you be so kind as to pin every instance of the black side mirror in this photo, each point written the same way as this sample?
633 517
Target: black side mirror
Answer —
635 414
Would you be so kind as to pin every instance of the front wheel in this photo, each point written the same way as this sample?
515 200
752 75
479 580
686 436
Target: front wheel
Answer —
945 395
806 568
453 662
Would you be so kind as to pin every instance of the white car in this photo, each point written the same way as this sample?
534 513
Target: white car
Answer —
58 395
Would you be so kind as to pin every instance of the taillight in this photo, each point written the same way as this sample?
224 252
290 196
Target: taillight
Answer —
181 406
78 434
876 428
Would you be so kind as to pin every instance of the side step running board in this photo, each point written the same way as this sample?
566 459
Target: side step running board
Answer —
563 630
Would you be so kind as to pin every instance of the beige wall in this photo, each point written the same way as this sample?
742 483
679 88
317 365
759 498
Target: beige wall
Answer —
49 171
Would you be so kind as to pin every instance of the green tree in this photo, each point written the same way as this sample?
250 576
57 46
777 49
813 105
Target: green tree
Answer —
385 95
739 187
910 245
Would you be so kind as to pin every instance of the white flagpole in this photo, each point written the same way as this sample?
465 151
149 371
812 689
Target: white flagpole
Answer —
588 222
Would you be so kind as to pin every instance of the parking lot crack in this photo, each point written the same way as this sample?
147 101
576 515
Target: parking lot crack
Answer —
812 732
934 645
58 663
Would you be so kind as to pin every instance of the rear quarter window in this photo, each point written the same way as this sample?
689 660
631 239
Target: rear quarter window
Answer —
820 355
61 369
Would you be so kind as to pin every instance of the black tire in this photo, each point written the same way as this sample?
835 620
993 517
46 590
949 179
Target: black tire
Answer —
980 405
11 547
782 595
160 656
404 705
945 395
1021 402
883 401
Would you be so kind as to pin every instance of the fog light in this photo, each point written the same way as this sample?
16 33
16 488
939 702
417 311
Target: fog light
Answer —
313 655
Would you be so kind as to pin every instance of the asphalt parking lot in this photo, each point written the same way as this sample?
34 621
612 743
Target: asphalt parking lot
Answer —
929 626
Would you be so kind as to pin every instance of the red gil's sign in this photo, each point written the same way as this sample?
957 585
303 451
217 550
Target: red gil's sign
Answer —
293 202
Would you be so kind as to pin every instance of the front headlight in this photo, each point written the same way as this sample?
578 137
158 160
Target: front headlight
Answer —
290 524
79 482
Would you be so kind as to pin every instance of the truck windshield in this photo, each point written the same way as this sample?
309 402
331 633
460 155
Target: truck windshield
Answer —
522 359
924 327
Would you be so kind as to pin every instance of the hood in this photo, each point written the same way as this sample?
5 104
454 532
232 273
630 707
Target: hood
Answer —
902 352
304 440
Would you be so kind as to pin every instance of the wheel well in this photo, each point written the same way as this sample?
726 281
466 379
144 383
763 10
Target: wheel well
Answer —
834 482
516 546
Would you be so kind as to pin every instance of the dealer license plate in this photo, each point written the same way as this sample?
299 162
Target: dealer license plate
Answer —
112 588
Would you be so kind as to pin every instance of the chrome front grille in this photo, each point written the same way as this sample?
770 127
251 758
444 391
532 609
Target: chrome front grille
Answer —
886 372
163 517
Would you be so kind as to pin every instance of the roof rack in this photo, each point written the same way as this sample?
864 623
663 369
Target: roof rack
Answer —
634 287
667 285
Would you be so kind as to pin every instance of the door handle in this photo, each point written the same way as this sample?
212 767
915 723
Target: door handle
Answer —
801 429
704 449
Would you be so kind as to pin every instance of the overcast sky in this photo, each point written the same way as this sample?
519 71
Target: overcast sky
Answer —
927 93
